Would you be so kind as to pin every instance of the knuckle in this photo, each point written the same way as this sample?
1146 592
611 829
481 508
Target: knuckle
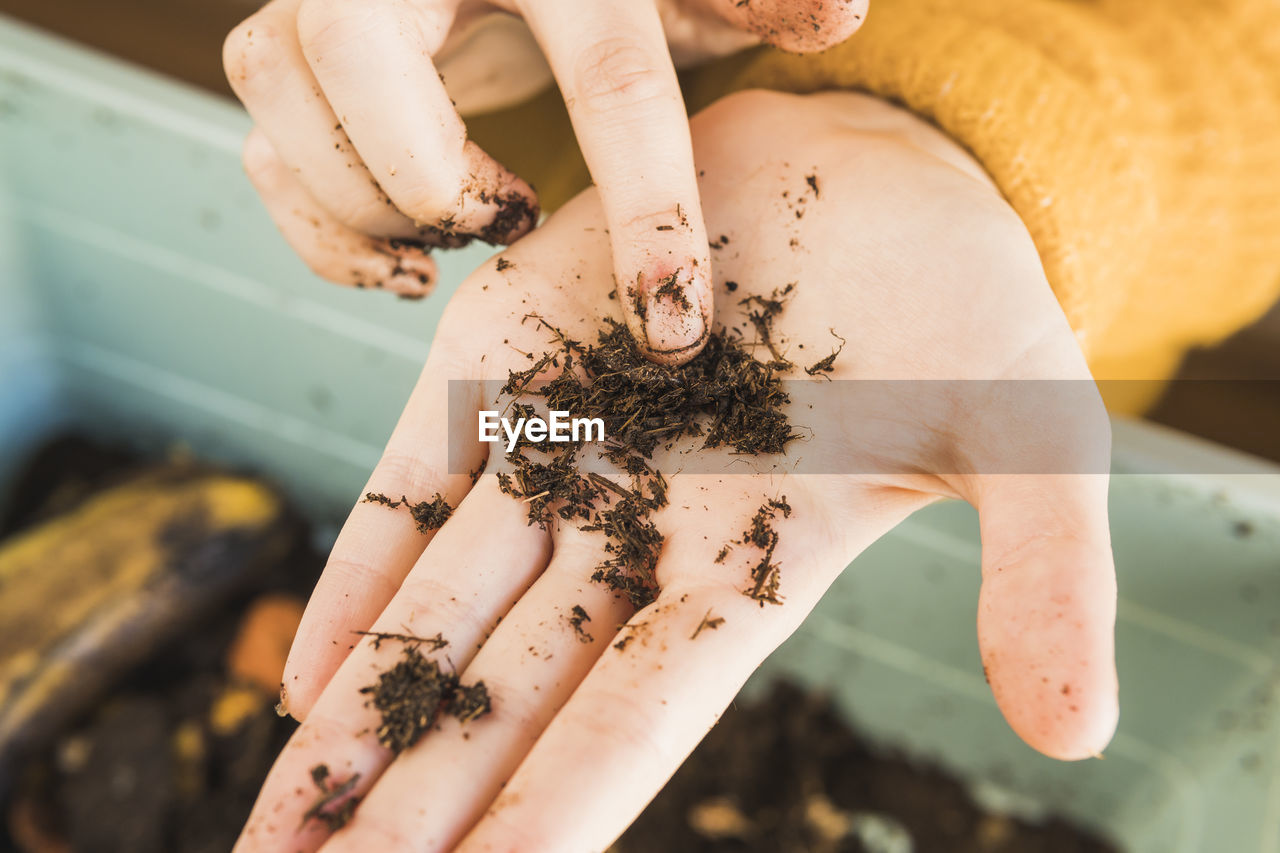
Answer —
322 24
522 709
648 222
367 215
617 71
619 719
431 197
501 832
252 50
345 573
257 156
408 473
433 602
317 17
318 731
327 265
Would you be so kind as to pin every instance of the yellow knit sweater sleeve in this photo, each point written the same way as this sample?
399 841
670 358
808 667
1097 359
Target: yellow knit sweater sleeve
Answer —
1139 140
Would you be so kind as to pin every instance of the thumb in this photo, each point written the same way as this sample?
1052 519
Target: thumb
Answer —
1046 613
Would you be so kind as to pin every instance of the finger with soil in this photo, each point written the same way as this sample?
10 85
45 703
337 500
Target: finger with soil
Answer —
532 663
630 723
644 706
378 546
410 136
475 569
333 250
268 72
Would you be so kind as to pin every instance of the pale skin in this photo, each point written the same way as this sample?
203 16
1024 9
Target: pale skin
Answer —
911 255
357 147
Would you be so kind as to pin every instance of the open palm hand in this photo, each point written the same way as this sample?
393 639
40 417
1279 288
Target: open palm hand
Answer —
896 242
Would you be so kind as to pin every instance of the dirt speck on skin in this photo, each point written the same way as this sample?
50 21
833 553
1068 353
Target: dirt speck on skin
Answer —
669 288
708 623
323 810
577 617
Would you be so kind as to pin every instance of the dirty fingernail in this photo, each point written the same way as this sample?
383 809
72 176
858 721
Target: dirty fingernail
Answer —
672 316
516 215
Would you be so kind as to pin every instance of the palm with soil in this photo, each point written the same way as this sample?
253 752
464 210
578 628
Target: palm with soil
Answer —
899 244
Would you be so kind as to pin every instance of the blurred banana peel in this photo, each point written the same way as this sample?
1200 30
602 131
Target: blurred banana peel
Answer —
88 595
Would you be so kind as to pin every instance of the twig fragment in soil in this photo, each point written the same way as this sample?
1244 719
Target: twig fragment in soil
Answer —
765 574
827 365
437 642
336 818
766 310
708 623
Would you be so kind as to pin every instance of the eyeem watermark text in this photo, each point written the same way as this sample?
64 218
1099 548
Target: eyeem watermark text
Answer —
560 427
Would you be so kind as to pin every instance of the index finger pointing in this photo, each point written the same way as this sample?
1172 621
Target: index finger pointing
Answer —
614 69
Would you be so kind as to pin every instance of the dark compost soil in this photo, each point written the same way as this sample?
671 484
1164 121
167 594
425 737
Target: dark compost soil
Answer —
785 774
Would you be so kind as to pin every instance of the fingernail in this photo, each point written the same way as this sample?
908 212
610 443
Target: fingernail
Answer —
672 315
